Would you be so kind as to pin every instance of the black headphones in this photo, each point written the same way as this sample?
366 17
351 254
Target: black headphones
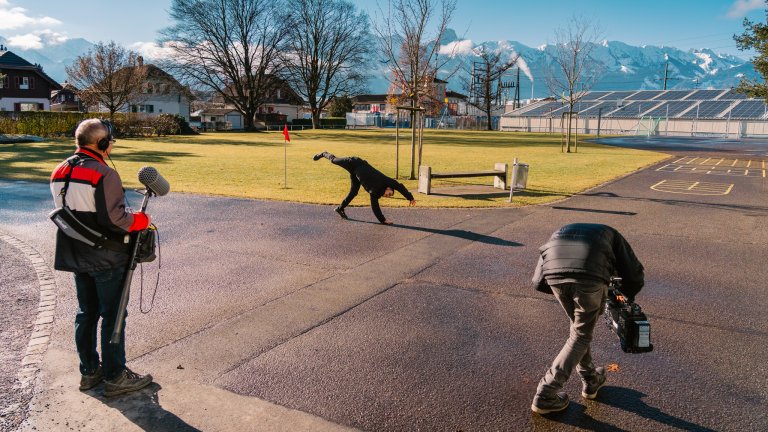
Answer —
103 143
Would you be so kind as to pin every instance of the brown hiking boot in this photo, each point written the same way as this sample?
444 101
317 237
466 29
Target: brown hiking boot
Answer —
88 382
126 382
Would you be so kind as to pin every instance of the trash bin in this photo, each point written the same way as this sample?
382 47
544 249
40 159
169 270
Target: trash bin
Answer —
519 176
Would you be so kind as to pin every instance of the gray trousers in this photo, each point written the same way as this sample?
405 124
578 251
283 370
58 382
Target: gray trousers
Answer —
583 302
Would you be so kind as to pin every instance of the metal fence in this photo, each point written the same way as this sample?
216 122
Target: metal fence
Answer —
377 120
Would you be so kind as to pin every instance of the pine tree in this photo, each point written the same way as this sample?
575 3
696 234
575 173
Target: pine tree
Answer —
755 37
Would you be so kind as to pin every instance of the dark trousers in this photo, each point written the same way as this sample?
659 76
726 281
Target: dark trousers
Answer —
98 296
350 164
583 303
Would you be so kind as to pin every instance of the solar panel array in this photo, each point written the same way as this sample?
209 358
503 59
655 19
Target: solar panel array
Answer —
749 109
687 104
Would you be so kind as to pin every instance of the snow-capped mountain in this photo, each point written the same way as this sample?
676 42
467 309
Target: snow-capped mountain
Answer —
624 67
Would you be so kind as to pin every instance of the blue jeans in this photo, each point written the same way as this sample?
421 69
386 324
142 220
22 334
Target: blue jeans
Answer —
583 302
98 296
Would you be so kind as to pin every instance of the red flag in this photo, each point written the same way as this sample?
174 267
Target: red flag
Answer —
285 133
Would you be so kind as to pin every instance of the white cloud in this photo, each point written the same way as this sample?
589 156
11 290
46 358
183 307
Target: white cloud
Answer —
462 47
26 41
37 39
17 17
739 8
151 50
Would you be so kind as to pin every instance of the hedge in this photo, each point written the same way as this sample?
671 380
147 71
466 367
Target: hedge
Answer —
52 124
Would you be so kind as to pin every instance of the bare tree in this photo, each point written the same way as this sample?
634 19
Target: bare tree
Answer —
486 85
410 37
228 46
573 70
108 75
327 49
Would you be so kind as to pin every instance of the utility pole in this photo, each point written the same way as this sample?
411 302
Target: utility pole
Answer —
666 75
517 90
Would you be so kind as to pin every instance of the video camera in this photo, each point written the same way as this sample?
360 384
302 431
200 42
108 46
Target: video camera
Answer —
627 320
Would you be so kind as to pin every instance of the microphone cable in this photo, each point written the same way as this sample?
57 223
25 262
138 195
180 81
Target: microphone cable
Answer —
141 265
157 279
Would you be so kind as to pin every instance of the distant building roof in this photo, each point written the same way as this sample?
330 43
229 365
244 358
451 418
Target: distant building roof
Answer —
9 60
370 98
453 94
217 111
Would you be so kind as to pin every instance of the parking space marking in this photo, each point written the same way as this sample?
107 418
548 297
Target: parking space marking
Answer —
716 166
693 187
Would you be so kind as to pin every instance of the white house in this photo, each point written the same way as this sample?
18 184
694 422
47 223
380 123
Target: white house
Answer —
162 94
220 119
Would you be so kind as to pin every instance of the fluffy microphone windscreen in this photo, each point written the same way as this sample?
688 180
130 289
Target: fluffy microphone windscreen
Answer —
153 181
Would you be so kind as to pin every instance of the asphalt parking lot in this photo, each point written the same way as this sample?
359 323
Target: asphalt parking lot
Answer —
280 316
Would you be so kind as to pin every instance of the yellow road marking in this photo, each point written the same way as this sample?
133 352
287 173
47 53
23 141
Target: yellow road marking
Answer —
734 162
705 161
720 161
692 188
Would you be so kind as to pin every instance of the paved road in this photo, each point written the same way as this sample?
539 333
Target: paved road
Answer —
276 316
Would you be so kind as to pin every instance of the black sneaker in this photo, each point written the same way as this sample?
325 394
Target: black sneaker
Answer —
126 382
88 382
590 388
317 157
548 405
341 212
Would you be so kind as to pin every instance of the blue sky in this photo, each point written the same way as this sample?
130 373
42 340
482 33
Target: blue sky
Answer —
683 24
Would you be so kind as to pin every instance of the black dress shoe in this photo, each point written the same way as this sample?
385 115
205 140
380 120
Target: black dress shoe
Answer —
317 157
341 213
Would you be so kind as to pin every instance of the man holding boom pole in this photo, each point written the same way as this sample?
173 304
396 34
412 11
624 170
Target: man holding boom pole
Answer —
94 193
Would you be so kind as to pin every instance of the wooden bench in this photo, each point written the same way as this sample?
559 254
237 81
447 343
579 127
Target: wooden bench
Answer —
499 173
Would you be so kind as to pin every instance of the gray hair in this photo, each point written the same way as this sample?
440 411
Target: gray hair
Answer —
90 132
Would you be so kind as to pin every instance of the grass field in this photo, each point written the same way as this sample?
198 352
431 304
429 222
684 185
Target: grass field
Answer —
251 165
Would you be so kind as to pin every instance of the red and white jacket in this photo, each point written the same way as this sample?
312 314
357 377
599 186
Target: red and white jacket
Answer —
96 197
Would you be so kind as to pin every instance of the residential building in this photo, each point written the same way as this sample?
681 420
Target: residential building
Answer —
372 103
25 87
161 94
66 99
219 119
281 101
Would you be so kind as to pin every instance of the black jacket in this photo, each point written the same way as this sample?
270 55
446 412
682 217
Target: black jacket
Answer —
372 180
375 182
588 251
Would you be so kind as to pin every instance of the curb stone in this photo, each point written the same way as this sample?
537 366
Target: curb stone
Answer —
41 331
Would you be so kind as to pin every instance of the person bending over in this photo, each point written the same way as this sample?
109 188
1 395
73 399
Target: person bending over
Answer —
376 183
576 265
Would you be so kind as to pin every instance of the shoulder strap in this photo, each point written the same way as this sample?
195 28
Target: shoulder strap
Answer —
72 161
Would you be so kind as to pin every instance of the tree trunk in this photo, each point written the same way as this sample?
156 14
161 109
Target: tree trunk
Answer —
413 141
248 122
315 112
568 134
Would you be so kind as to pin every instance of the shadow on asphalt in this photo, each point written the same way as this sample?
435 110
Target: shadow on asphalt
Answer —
747 209
464 234
575 416
632 401
623 399
143 409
